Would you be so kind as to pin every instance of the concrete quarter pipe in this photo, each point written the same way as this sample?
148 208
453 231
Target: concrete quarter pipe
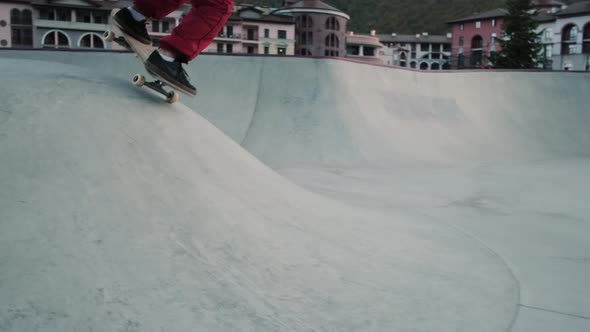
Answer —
291 195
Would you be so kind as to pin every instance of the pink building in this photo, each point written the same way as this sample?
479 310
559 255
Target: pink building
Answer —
475 38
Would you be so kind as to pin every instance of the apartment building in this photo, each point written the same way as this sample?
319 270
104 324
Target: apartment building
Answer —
420 51
255 30
475 38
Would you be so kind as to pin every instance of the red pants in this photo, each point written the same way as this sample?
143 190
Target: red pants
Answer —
196 30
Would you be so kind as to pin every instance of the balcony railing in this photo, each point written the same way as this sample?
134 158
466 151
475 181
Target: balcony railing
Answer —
229 36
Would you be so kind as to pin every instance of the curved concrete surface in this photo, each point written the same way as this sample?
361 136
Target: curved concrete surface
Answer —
394 200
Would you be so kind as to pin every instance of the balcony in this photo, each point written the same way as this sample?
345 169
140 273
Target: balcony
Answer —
229 37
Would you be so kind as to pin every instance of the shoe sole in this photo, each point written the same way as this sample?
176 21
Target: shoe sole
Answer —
155 71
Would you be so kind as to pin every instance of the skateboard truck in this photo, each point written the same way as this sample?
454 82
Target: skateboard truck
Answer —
157 86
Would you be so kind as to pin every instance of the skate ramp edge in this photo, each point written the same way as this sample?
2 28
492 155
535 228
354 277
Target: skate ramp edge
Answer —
119 211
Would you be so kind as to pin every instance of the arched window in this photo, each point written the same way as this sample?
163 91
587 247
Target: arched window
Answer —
56 39
27 17
477 43
435 66
91 41
332 41
303 21
332 24
423 66
586 39
15 17
413 64
569 38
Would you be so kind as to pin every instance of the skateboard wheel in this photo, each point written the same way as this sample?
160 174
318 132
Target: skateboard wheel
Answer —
109 36
138 80
173 97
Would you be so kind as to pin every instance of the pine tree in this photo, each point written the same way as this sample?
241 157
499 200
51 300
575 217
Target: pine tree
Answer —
520 46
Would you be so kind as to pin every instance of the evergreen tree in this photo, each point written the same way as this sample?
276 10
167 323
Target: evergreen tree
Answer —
520 46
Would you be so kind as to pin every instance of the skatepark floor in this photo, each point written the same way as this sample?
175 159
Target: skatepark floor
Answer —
291 195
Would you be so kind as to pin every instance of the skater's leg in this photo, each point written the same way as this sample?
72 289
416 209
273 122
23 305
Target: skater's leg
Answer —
197 29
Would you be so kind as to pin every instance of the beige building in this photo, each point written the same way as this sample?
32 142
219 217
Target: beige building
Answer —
255 30
320 28
364 48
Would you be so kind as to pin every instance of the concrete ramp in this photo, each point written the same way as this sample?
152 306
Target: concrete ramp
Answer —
291 195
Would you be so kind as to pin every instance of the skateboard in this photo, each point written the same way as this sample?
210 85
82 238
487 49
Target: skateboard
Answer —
142 51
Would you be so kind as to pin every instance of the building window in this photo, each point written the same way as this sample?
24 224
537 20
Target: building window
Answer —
251 34
353 50
435 66
230 48
332 41
424 47
91 41
15 17
155 26
304 21
250 49
266 33
332 24
477 43
219 47
548 34
413 64
586 39
165 26
63 14
266 50
282 34
369 51
56 39
21 28
493 22
478 24
461 26
230 31
569 37
100 18
83 16
281 51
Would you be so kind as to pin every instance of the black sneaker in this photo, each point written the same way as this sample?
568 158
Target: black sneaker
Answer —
171 73
130 26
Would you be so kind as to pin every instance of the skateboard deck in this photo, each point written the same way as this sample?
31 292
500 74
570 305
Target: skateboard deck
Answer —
142 51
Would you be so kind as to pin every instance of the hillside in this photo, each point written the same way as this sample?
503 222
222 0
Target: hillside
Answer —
404 16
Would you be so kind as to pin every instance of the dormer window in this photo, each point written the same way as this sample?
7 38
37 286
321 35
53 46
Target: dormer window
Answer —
478 24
